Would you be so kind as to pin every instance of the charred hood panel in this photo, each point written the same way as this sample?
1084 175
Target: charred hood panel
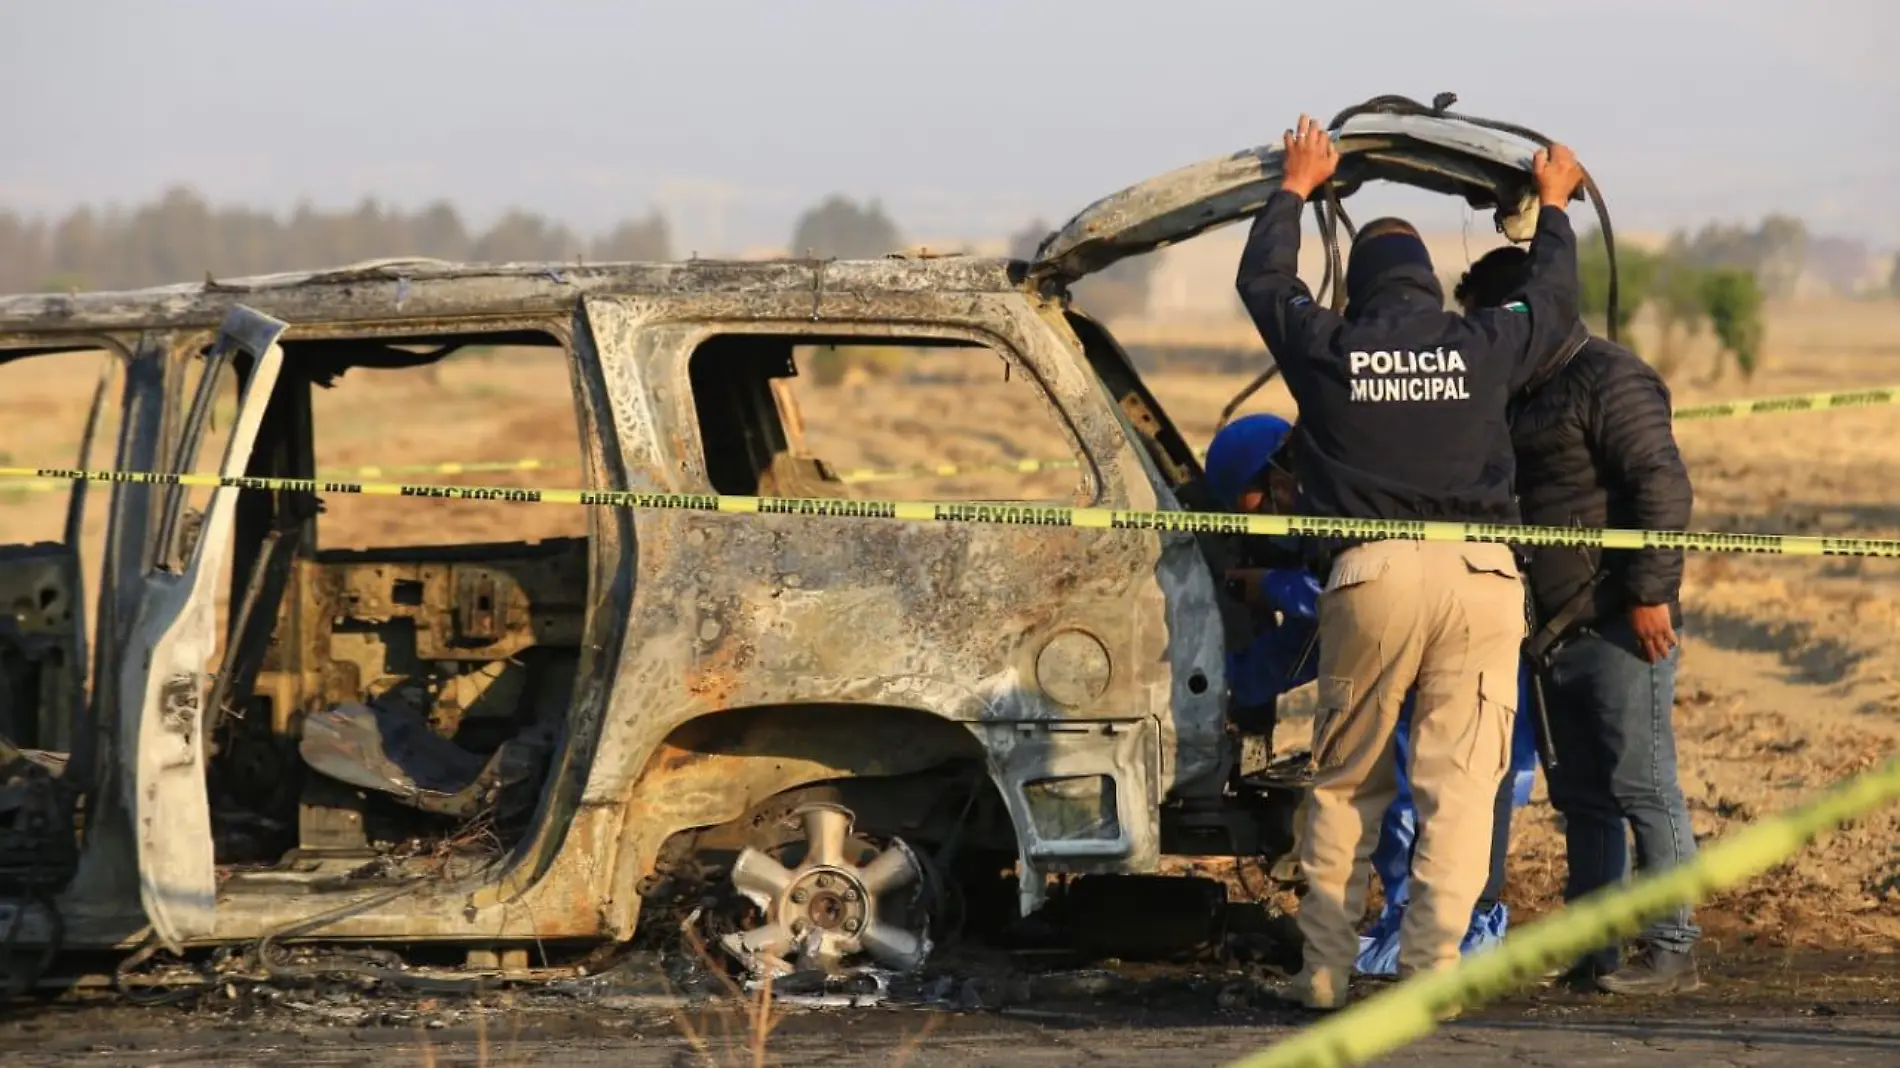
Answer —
1443 155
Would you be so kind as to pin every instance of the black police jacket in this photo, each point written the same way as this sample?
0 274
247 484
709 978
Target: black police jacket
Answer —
1402 403
1596 448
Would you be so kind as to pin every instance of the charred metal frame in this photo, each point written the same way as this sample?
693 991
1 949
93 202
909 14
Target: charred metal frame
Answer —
725 660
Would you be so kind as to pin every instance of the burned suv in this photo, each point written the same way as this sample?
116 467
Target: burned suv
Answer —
833 715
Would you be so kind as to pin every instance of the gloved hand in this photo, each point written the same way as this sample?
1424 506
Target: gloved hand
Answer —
1291 591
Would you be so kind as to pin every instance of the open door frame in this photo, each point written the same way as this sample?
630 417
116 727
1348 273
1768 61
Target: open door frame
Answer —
173 640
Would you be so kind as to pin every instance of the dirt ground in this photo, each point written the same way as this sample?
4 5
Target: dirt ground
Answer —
1790 681
1754 1014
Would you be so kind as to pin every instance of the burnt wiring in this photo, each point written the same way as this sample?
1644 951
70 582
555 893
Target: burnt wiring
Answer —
1241 398
143 992
1440 107
1240 878
938 867
266 963
1329 215
381 966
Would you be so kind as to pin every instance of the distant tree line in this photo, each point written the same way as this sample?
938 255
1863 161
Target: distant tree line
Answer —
181 238
841 228
1684 297
1719 277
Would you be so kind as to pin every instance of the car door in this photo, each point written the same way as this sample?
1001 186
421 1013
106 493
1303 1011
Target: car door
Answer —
165 671
1048 643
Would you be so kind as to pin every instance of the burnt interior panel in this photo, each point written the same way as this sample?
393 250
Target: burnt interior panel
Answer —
41 668
379 708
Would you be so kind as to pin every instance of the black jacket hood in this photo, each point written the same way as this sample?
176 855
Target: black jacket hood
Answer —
1559 358
1391 271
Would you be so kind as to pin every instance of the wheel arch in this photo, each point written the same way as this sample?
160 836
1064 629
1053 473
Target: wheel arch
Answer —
716 767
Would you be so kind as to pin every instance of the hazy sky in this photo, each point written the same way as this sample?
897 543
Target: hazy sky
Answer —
966 116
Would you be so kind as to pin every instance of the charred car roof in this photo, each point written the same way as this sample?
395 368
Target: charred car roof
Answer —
399 290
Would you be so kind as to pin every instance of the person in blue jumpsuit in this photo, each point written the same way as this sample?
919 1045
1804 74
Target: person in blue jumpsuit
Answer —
1246 473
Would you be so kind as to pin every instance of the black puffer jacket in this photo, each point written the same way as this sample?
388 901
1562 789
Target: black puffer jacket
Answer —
1595 448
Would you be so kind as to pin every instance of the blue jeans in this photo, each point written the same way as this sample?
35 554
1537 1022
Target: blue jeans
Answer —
1610 721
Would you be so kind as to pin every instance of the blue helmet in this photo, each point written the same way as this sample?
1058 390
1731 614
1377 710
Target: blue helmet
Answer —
1238 454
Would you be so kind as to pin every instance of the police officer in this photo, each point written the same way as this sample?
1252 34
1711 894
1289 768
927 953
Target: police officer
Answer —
1402 417
1247 471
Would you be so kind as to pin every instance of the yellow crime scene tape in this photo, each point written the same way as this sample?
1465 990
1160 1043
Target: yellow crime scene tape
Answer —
1032 515
854 476
1800 402
1411 1010
381 471
1797 402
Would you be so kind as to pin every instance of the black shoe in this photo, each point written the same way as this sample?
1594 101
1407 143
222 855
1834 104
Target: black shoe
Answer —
1654 970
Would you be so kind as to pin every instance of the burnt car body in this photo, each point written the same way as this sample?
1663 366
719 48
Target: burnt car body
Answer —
675 684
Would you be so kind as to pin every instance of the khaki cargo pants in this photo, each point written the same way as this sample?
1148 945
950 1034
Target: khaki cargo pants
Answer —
1448 621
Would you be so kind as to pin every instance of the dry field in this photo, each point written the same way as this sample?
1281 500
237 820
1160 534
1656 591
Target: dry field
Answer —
1791 677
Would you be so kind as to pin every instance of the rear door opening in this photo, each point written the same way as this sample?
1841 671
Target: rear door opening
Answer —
395 696
58 409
